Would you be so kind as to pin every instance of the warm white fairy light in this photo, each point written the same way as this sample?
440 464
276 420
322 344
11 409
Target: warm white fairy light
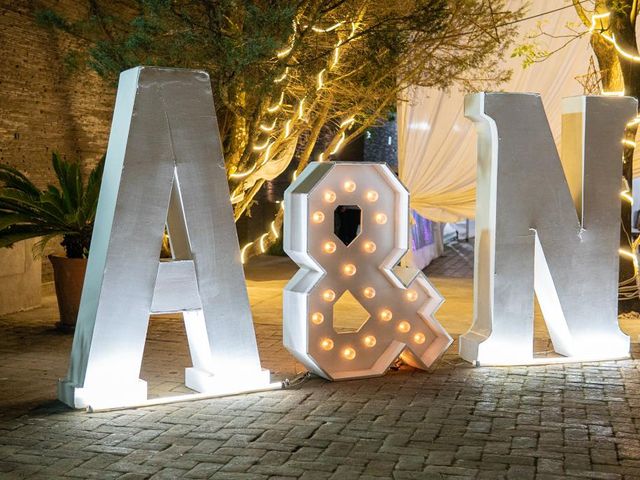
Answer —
349 186
244 174
287 50
244 251
284 75
261 240
612 94
320 79
273 229
283 53
634 122
262 146
268 128
317 318
336 55
276 107
347 122
611 38
631 255
325 30
339 144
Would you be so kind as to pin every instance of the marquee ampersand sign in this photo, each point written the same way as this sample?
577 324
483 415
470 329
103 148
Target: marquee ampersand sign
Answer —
399 300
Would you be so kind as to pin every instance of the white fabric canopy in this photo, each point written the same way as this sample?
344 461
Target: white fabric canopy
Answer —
437 145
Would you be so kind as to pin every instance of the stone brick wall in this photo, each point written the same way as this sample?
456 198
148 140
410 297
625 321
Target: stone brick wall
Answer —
43 108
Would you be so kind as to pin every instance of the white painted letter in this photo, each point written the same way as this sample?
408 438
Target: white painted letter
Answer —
539 229
164 165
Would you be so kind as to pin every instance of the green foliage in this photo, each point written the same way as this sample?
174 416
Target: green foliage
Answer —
530 53
66 210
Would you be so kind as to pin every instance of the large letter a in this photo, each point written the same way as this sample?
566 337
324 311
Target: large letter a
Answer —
164 165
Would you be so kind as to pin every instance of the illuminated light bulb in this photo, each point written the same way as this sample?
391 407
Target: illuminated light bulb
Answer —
326 344
318 217
369 292
369 247
369 341
350 186
386 315
381 218
411 295
329 247
419 338
330 196
317 318
329 295
404 326
372 195
349 269
349 353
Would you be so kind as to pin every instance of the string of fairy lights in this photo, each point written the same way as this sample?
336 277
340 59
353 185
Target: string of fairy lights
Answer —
265 144
630 287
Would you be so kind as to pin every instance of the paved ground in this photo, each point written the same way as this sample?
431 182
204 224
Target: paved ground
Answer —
545 422
456 261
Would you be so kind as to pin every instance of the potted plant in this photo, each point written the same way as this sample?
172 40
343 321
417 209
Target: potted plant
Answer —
67 210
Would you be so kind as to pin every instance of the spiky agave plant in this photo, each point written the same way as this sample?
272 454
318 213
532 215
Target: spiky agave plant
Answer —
66 210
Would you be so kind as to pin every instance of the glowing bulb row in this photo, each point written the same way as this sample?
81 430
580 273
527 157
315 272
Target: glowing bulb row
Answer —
330 247
369 292
369 341
350 186
318 217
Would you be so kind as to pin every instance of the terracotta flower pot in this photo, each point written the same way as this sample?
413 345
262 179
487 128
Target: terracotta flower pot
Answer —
68 274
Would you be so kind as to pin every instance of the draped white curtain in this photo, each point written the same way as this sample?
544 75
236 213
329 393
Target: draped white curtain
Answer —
437 145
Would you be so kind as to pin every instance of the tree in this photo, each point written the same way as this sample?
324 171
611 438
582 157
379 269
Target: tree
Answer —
287 73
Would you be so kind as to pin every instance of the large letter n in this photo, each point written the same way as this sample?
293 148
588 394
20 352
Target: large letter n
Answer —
539 229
